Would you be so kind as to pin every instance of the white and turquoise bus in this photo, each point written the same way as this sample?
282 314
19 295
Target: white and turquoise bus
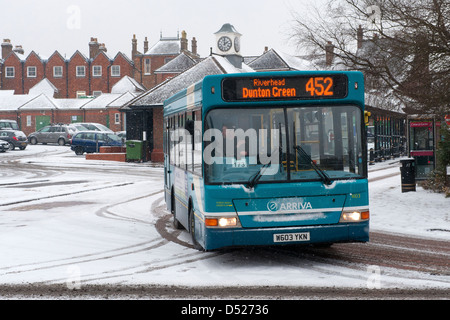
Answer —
268 159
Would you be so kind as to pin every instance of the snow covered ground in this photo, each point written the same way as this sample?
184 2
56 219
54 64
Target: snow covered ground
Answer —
94 223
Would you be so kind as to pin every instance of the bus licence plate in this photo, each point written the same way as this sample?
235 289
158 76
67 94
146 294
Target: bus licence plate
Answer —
291 237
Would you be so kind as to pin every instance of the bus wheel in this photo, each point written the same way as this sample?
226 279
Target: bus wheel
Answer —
176 223
192 230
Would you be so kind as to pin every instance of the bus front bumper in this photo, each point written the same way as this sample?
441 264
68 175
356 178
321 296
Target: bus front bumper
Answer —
344 232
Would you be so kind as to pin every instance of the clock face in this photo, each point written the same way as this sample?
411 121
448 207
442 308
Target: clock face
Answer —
224 43
237 44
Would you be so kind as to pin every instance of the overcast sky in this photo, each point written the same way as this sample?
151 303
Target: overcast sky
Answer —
67 25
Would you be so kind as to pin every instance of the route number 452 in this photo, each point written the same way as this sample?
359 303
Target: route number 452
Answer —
320 86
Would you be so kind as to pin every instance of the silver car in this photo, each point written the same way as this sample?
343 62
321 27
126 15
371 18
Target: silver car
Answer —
59 133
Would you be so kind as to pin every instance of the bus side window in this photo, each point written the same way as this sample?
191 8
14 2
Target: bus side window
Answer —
171 139
197 161
189 130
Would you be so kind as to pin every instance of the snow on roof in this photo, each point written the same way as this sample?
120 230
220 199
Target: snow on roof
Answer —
177 65
13 102
102 101
274 60
123 99
165 46
70 104
227 28
384 102
210 66
43 86
127 84
6 93
41 102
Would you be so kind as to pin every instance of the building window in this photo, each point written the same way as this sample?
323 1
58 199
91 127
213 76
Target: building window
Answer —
58 72
31 72
81 71
28 121
115 71
147 66
81 94
10 72
117 118
97 71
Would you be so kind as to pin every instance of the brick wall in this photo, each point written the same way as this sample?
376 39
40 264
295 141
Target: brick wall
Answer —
59 81
78 83
69 83
32 61
14 83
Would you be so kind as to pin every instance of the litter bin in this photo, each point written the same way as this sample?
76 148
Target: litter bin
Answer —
135 150
408 171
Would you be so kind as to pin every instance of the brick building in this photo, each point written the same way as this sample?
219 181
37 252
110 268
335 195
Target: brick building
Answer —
36 91
74 77
160 54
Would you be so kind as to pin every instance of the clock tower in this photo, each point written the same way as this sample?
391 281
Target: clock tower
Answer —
228 44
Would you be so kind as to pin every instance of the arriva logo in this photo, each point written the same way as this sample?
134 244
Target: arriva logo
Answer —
272 206
281 205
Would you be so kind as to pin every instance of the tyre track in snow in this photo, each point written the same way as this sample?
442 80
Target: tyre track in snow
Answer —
168 235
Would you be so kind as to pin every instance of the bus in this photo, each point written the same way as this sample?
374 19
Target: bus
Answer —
266 159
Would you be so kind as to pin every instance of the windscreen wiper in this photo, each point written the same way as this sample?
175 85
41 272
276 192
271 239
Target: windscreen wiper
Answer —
257 176
322 174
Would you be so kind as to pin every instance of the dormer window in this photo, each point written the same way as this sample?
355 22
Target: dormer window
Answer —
97 71
31 72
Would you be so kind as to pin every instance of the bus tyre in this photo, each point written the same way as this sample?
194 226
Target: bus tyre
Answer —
192 230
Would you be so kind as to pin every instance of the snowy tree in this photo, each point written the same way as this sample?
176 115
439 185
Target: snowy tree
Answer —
402 46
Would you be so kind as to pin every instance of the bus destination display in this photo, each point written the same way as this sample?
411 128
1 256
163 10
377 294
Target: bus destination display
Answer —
285 88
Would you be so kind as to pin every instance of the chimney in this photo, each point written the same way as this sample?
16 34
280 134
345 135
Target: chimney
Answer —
6 48
329 53
134 46
103 48
266 49
94 48
359 36
19 50
194 46
145 45
184 41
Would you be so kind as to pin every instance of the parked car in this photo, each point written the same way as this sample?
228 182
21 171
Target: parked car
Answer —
9 124
122 135
4 146
58 133
91 141
92 126
15 139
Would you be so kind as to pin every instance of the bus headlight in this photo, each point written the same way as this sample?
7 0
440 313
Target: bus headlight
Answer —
354 216
224 222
